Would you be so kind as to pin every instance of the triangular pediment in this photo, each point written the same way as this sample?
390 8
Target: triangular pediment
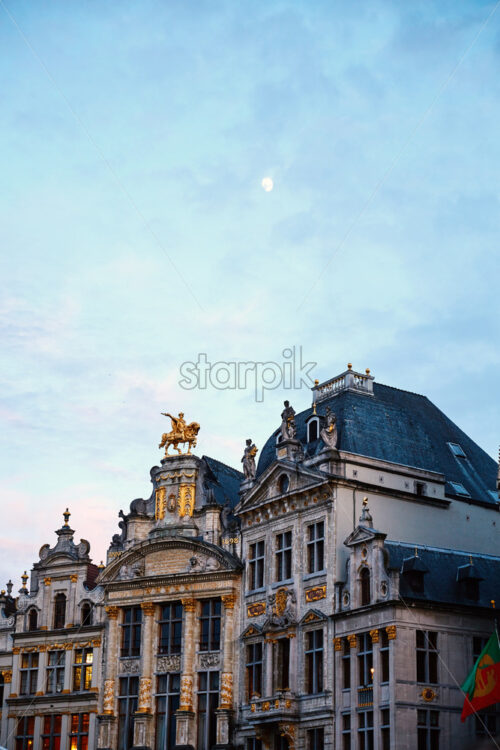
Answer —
312 616
251 631
363 534
266 488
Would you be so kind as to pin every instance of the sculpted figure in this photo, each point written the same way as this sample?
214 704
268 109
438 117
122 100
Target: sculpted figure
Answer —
329 433
180 433
248 459
288 427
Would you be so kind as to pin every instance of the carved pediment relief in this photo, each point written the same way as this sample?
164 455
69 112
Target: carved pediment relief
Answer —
168 557
363 534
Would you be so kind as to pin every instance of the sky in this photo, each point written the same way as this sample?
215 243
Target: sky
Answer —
136 234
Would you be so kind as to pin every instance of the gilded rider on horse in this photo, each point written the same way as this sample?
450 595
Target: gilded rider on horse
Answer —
178 425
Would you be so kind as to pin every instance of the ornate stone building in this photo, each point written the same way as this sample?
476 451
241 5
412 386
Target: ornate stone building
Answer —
333 596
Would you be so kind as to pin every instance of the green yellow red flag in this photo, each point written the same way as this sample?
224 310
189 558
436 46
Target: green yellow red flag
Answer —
482 686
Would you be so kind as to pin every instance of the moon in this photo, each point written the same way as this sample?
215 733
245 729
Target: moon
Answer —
267 184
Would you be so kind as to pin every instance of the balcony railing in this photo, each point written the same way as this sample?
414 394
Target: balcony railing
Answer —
365 696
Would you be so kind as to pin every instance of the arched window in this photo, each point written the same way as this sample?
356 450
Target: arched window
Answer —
59 611
312 430
365 586
86 614
283 483
32 619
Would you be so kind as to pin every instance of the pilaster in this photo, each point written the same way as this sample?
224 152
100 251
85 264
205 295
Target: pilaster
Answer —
185 716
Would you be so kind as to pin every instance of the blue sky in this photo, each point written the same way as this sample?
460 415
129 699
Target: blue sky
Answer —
136 234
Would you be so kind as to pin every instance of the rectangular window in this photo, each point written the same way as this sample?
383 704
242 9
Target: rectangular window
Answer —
254 670
25 732
427 729
256 565
284 556
315 547
131 631
210 625
427 656
365 660
51 734
29 674
253 744
315 739
365 730
384 657
170 637
167 703
282 664
79 732
55 671
314 661
346 731
82 669
208 701
127 706
346 664
385 729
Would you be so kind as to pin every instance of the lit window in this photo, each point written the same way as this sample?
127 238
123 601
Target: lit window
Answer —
82 671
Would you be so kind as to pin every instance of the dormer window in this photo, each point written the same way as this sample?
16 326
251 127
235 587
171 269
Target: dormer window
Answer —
33 619
59 611
414 570
365 587
420 489
86 614
313 430
468 579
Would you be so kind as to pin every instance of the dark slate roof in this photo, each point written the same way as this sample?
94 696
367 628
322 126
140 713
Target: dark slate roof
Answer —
404 428
440 580
224 481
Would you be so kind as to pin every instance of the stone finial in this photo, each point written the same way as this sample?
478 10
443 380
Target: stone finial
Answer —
66 516
9 587
24 579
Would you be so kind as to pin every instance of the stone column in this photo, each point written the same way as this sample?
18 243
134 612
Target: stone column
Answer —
293 666
185 715
42 670
268 666
7 682
144 714
107 720
108 707
375 639
15 678
226 691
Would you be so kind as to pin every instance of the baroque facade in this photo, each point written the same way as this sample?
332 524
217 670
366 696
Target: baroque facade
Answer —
334 594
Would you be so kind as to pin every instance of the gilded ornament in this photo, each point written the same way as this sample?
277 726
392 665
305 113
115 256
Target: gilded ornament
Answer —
112 612
148 608
353 641
315 594
160 503
226 692
391 632
229 600
73 578
180 434
186 499
7 676
145 686
256 609
186 698
374 635
47 581
109 696
428 695
337 643
189 604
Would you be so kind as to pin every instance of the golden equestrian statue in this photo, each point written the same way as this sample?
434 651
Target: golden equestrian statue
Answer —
181 433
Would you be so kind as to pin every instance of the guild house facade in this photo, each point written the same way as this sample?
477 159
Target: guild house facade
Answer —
335 593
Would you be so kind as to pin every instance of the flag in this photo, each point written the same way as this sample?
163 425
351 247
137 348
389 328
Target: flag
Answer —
482 686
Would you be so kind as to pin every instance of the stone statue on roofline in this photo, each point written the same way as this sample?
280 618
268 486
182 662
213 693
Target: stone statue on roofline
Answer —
248 460
328 433
288 427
